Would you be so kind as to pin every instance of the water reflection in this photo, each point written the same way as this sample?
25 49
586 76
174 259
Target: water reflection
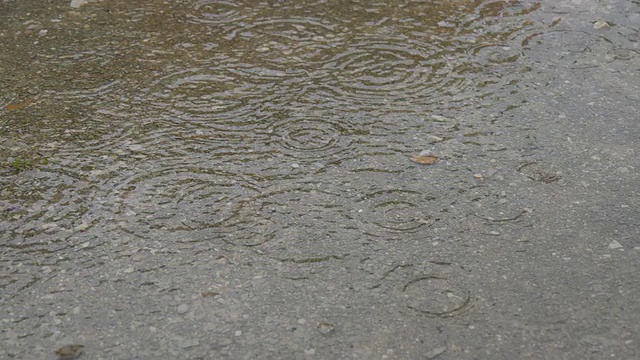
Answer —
266 125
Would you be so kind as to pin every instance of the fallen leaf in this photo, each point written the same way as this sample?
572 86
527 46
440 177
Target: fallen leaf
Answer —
17 106
209 294
424 159
69 352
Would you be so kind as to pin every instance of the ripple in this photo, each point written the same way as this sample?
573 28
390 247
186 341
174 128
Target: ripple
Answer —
430 288
389 70
203 111
199 92
262 33
162 138
88 95
438 295
381 64
298 220
293 46
393 211
206 99
40 201
215 12
314 137
567 49
95 135
282 55
489 54
182 197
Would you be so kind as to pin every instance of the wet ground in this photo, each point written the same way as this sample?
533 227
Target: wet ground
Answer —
319 180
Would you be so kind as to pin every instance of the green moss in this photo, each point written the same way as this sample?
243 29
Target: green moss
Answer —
19 164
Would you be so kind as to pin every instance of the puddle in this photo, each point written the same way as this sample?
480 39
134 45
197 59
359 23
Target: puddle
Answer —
285 127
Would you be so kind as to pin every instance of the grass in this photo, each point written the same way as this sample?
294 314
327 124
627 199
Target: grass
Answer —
20 164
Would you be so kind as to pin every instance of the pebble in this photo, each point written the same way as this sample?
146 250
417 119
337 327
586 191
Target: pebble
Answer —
82 227
50 227
435 352
601 24
183 308
615 245
325 328
69 352
77 3
187 343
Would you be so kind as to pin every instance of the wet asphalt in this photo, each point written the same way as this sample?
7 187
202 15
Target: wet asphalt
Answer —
526 244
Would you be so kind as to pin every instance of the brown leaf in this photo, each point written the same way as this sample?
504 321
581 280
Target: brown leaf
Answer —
69 352
209 294
424 159
17 106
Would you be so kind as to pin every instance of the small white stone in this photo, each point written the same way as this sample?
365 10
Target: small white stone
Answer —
78 3
43 32
82 227
614 245
302 321
183 308
50 227
601 24
238 333
435 352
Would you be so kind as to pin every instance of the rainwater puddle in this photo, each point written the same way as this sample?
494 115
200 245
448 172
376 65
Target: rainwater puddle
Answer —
285 127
